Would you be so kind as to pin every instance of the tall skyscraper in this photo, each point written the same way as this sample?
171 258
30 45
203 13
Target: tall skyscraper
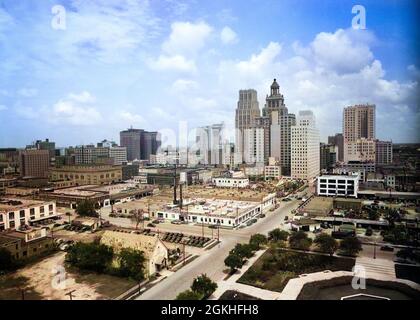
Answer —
254 145
131 139
211 144
359 122
281 122
305 148
246 112
338 140
34 163
359 133
150 143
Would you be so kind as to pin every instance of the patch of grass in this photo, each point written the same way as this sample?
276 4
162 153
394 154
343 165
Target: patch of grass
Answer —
276 267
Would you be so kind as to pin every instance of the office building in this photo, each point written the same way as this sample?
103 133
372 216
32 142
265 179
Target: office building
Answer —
90 154
345 185
254 145
383 152
34 163
131 139
246 112
359 133
338 140
328 156
88 174
281 122
305 148
211 145
118 154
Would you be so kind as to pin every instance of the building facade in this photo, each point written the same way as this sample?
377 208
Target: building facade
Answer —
34 163
338 141
131 139
88 174
359 129
338 185
305 160
383 152
281 122
246 112
15 213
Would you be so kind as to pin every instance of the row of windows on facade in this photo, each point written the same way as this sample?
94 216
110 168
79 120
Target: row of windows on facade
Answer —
112 175
31 212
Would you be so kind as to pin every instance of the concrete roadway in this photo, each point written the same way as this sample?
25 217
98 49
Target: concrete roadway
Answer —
211 262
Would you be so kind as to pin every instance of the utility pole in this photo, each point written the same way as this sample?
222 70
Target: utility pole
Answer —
70 294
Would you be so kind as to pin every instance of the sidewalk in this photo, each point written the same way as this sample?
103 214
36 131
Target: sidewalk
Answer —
231 284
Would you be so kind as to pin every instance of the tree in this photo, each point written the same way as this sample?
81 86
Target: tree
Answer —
131 263
137 216
278 235
244 251
86 208
350 246
7 262
189 295
299 240
326 243
90 256
204 285
257 240
233 261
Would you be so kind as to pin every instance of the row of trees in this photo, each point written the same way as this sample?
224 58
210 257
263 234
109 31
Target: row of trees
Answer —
297 240
201 288
101 258
243 251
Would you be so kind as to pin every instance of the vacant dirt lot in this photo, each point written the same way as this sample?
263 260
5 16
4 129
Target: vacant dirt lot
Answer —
49 280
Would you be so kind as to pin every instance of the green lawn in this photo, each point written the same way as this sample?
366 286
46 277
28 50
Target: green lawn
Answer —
276 267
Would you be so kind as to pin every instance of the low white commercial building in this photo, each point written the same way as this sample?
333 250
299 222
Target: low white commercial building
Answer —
225 182
18 212
217 212
338 185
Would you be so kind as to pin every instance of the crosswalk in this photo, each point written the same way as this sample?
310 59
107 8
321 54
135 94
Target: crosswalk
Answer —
376 266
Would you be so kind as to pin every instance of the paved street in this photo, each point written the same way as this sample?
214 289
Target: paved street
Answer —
211 262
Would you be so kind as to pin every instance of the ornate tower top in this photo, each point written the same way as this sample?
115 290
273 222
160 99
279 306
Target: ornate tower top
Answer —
275 88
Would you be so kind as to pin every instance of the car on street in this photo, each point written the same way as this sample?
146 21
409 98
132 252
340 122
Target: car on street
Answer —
249 223
151 225
262 215
286 218
176 222
156 221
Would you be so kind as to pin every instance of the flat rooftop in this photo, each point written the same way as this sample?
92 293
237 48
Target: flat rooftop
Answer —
11 204
78 191
216 207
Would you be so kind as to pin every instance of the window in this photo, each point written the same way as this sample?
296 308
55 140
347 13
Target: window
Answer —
50 207
11 216
32 211
22 213
41 209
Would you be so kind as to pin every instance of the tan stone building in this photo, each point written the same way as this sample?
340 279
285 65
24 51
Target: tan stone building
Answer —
87 174
34 163
155 252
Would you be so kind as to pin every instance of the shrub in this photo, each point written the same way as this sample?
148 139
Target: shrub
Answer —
278 235
189 295
326 243
350 246
204 286
90 256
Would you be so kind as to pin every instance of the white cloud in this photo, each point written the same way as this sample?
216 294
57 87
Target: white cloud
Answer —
342 51
186 38
182 85
28 92
333 71
83 97
132 119
228 36
174 63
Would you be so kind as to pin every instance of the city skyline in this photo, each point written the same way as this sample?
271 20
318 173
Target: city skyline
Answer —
80 87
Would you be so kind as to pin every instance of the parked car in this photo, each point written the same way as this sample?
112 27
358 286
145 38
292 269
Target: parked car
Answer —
176 222
156 221
387 248
286 218
151 225
262 215
249 223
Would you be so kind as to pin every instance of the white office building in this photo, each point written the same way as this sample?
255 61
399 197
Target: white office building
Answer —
305 163
119 154
226 182
338 185
254 145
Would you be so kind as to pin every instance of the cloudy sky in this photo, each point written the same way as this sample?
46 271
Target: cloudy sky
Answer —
106 65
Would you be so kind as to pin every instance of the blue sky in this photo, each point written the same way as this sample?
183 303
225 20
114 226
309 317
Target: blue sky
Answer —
152 64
